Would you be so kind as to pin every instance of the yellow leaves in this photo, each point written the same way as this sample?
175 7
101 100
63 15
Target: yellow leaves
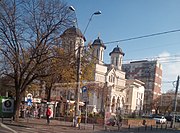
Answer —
88 71
33 87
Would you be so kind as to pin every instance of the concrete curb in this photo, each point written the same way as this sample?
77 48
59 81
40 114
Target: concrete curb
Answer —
6 127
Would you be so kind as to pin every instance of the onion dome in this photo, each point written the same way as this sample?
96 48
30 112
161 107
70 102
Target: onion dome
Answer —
73 31
117 50
98 42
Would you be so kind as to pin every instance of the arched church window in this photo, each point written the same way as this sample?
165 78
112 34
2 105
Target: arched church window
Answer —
112 61
118 103
97 53
111 78
101 55
113 104
117 61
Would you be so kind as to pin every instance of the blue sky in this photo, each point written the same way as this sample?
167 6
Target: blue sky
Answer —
123 19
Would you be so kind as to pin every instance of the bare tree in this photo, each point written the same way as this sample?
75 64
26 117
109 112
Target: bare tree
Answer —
63 69
156 103
28 31
6 85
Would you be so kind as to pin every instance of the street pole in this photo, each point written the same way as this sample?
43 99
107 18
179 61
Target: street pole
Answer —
77 111
86 115
78 76
95 13
175 103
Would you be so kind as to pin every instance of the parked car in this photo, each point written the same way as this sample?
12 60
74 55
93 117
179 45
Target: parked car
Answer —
177 118
168 117
151 116
160 119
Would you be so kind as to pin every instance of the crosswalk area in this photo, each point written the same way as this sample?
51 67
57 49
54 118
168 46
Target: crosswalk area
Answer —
56 126
43 129
2 130
19 129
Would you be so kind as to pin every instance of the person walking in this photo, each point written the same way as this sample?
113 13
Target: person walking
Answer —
48 114
119 121
39 112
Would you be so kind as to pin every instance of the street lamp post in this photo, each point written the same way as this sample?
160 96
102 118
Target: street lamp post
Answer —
175 103
95 13
77 111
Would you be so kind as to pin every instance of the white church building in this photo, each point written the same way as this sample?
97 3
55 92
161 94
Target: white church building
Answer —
111 77
108 78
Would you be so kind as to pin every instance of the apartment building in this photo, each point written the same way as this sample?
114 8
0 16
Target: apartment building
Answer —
149 72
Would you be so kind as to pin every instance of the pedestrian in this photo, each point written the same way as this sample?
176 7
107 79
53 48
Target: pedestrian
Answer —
27 112
119 121
39 112
48 114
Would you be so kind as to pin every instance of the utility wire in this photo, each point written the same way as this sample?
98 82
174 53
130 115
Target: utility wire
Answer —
167 82
157 46
159 58
145 36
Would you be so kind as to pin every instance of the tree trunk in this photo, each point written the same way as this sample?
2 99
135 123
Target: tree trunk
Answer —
17 105
48 94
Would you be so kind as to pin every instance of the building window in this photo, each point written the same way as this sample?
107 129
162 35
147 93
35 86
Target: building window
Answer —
137 95
128 92
136 101
112 61
141 95
126 106
127 100
97 53
101 55
117 61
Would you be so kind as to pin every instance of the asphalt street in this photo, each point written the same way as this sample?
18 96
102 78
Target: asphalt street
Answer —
40 126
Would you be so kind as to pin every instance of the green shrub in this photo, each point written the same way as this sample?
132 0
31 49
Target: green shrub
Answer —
91 115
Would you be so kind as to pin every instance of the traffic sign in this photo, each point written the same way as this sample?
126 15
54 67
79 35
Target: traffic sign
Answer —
29 96
29 99
85 93
29 102
84 89
7 105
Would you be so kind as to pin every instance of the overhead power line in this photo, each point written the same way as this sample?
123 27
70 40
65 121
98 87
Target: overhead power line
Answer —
170 81
145 36
166 59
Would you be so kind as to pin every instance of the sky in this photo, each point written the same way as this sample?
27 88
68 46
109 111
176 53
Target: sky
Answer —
124 19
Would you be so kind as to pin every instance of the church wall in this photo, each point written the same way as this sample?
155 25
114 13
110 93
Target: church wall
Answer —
100 73
101 68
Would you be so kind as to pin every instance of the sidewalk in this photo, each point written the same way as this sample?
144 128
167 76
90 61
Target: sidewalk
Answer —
34 122
63 126
54 124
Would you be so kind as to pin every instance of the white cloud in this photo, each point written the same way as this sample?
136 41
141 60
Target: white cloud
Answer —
170 65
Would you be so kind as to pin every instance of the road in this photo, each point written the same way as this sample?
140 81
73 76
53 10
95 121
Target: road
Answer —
52 129
2 130
40 126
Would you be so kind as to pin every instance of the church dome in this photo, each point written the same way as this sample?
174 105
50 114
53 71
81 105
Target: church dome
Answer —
117 50
73 31
98 42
